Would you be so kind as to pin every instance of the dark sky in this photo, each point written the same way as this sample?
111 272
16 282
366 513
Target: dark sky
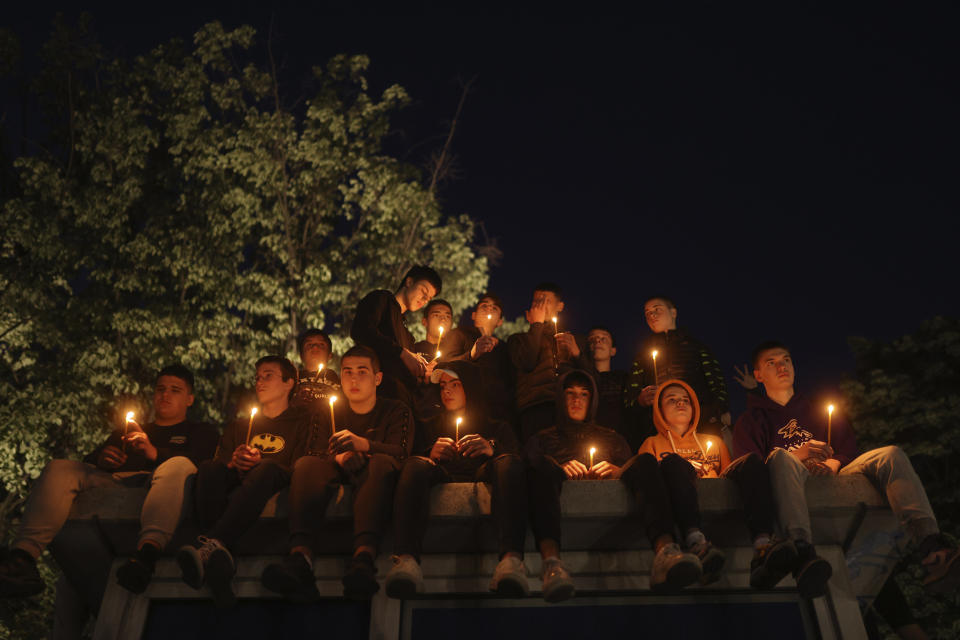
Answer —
786 175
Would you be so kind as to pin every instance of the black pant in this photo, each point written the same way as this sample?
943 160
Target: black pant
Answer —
639 473
748 472
537 418
315 481
505 474
228 504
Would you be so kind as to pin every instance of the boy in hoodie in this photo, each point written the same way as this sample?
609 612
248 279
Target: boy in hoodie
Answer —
378 324
783 428
461 445
540 355
680 356
364 447
162 455
253 462
577 449
684 457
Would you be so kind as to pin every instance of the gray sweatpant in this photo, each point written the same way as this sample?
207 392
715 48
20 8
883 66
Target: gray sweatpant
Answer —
61 481
888 469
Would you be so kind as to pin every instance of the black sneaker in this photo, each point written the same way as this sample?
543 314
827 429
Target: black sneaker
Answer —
358 581
219 575
291 577
134 576
812 572
19 577
772 562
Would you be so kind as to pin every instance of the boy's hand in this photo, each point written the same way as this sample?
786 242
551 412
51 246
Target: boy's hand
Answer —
111 458
346 440
575 469
138 441
472 446
605 470
443 449
245 458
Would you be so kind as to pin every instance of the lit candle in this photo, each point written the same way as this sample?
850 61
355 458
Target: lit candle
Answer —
319 371
556 328
829 423
656 378
439 340
709 444
593 450
437 357
126 424
456 431
253 412
333 421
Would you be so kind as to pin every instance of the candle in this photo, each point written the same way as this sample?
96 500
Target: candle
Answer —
319 371
333 421
709 444
126 424
655 377
439 340
556 328
437 357
829 423
253 412
593 450
556 348
456 431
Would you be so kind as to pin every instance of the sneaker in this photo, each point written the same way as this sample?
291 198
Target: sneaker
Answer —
943 574
19 577
557 583
358 581
772 562
293 578
219 575
711 561
811 571
134 576
193 559
510 578
673 569
405 578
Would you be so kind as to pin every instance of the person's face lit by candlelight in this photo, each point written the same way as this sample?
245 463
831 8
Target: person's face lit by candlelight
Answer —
487 307
774 370
439 314
452 394
577 398
315 351
171 398
676 408
661 315
358 379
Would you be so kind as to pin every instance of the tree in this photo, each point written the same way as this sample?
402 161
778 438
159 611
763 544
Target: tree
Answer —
907 392
181 211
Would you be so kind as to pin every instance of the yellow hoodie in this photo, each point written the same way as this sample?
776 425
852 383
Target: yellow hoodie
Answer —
707 454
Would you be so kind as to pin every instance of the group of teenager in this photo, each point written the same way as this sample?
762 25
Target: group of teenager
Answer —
524 415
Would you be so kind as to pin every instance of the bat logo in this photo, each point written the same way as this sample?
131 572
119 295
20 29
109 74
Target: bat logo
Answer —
267 443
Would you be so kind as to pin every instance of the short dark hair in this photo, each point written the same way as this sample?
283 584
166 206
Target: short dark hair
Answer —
670 303
309 333
177 371
422 272
551 287
600 327
492 297
766 345
287 371
437 302
362 351
578 378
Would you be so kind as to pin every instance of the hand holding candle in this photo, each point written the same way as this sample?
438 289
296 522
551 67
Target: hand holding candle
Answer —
253 412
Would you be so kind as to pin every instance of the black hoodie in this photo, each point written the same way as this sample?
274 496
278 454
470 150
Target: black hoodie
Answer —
475 420
569 440
532 356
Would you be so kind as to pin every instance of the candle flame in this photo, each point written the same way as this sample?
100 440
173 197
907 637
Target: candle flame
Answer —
459 420
554 319
332 400
320 368
830 409
253 412
129 416
654 354
440 330
593 450
709 444
438 355
489 316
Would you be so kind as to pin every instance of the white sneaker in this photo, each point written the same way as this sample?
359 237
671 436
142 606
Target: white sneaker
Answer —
510 578
405 578
673 569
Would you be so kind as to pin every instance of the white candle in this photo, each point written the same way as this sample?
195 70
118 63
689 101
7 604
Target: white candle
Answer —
656 378
253 412
333 420
456 431
593 450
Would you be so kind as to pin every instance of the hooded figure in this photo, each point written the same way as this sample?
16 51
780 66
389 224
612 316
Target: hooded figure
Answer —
708 455
571 439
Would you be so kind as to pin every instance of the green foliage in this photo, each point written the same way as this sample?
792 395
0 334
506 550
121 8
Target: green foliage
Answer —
180 212
907 392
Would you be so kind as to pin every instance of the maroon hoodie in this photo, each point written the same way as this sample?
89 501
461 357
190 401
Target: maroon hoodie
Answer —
767 425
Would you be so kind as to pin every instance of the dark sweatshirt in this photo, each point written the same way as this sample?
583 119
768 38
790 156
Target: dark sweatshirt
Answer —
378 324
569 440
475 420
388 427
497 374
532 356
194 440
282 439
767 425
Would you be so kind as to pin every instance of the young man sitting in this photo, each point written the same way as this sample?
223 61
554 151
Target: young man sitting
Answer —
365 448
378 324
562 453
782 428
461 445
163 453
685 456
232 489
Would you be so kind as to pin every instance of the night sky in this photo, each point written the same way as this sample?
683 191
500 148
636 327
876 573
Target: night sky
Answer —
787 175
